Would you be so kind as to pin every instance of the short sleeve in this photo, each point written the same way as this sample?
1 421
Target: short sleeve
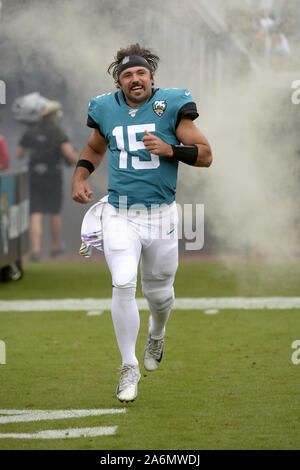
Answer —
91 123
92 112
182 105
189 111
92 115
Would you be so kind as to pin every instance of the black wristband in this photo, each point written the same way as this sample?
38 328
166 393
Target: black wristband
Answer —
86 164
185 153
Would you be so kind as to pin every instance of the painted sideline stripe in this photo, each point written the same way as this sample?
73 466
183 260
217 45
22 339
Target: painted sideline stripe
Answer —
248 303
22 416
63 433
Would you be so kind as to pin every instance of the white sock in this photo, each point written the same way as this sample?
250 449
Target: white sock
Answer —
157 323
126 320
160 303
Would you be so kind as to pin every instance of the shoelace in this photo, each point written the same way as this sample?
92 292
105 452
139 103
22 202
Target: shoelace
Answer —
155 347
128 375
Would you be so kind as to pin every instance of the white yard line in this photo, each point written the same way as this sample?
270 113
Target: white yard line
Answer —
189 303
63 433
22 416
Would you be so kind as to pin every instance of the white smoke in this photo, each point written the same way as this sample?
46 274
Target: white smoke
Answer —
249 191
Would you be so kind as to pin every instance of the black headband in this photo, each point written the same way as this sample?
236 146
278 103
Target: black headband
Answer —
133 61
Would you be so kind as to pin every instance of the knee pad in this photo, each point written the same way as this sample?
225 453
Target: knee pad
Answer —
123 279
126 294
159 294
124 275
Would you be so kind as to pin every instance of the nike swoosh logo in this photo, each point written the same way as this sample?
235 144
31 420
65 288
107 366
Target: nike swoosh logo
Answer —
171 231
187 93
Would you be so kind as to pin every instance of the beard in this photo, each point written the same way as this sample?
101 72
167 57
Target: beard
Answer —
141 97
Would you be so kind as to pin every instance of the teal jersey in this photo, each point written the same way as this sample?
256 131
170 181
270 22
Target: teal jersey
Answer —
133 173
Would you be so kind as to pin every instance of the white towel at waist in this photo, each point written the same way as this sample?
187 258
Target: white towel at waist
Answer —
92 230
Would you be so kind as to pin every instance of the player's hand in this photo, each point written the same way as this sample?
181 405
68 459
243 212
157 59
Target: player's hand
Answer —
156 145
81 192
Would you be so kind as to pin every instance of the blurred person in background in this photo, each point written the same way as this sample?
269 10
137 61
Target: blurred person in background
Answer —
4 153
48 148
280 46
12 271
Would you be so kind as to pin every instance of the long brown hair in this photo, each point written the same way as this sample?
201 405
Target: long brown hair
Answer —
133 49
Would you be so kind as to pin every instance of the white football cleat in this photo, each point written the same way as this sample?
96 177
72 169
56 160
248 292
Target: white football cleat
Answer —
153 353
128 383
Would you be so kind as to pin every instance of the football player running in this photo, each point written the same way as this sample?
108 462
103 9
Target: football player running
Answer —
147 131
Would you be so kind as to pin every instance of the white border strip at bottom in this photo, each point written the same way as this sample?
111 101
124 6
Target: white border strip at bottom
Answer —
189 303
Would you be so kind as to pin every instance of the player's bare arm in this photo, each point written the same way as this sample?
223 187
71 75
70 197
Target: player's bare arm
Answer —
189 134
93 153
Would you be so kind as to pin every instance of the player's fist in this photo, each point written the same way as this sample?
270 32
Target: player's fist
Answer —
156 145
81 192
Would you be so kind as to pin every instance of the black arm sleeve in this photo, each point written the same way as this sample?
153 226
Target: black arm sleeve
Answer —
188 110
91 123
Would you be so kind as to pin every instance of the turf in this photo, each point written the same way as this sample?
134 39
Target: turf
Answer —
205 279
226 381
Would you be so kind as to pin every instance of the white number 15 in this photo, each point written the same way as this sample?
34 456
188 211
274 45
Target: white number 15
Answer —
134 145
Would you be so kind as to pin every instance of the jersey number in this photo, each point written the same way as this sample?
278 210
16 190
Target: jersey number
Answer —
134 145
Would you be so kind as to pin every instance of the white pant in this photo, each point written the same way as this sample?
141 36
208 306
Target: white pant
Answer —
129 238
149 237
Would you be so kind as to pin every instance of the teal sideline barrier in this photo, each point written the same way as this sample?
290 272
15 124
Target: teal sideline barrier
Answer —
14 217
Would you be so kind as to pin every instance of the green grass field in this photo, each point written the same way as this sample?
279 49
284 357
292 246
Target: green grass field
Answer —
226 380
